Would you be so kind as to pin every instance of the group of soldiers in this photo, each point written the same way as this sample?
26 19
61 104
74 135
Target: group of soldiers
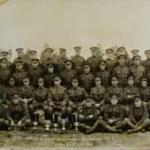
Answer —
108 92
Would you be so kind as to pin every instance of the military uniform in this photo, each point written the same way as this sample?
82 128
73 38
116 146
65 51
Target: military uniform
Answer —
115 90
10 91
121 71
18 112
130 92
145 93
138 71
77 95
49 75
48 56
94 60
3 118
87 114
78 61
105 76
56 95
98 94
110 59
5 71
26 92
66 76
86 80
35 72
146 64
61 60
19 72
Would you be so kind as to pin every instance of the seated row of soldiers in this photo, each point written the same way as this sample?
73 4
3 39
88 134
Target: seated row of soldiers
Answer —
113 109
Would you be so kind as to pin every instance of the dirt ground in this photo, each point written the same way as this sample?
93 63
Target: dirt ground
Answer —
16 140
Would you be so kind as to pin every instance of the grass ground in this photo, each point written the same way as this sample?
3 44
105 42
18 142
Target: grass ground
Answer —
16 140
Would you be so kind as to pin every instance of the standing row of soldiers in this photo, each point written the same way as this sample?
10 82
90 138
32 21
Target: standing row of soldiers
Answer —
97 93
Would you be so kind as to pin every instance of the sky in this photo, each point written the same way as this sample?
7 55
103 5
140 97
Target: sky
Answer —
69 23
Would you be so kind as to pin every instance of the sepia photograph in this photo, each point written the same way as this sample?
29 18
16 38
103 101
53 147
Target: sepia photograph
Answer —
74 74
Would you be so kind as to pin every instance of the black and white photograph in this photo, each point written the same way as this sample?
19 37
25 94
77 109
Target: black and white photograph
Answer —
74 74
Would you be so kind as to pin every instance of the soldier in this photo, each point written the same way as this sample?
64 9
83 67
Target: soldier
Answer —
110 59
49 75
87 114
144 90
4 123
19 72
98 92
76 93
41 103
138 118
114 115
114 89
30 54
146 64
130 91
18 113
134 52
21 54
62 57
94 59
6 55
78 60
121 71
86 78
122 51
35 71
5 71
48 56
76 96
26 91
104 73
67 74
11 89
56 97
137 69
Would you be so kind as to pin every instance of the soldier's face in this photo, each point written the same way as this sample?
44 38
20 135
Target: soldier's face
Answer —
75 83
3 64
35 64
138 102
94 53
114 100
114 82
26 82
20 54
78 52
88 103
19 66
122 61
102 66
98 81
16 101
62 53
11 81
121 52
87 69
68 66
137 61
41 83
130 81
147 55
144 83
51 69
57 82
